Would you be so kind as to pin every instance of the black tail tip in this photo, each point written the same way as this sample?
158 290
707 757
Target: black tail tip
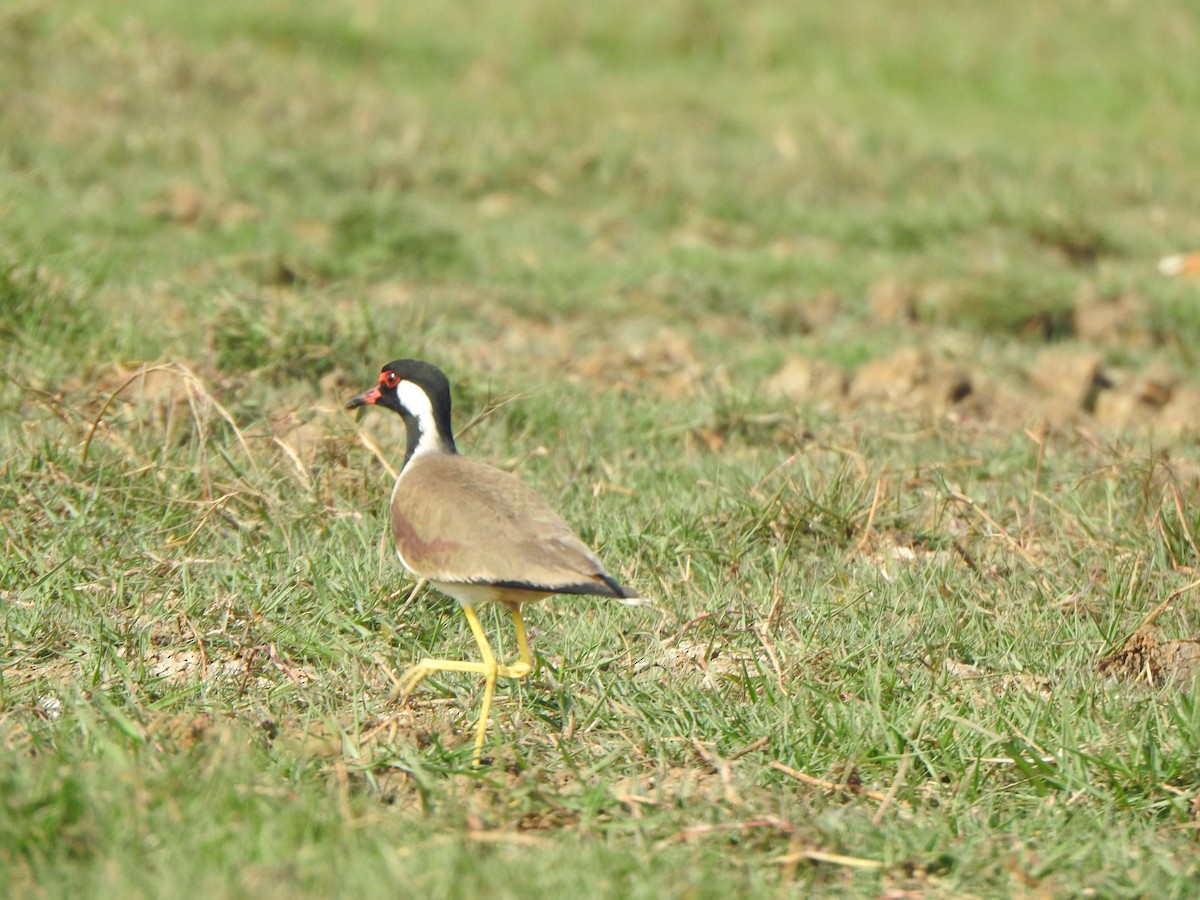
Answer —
619 590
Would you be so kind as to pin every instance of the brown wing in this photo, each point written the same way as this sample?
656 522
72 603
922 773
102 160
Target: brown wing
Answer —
456 519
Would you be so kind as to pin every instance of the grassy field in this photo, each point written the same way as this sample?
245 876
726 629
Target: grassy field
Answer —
837 329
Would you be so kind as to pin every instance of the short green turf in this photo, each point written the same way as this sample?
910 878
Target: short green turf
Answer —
868 663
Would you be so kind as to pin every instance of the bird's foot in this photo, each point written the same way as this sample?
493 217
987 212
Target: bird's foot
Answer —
411 679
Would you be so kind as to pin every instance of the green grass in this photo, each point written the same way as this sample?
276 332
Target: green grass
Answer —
869 666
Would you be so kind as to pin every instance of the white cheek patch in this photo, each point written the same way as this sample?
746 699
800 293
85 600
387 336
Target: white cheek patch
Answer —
416 401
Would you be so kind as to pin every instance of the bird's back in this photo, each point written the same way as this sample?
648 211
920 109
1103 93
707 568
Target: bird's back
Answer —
488 527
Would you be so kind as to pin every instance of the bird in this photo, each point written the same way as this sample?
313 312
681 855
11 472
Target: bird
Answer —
476 533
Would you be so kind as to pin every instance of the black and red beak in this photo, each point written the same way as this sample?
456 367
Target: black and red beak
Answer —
366 397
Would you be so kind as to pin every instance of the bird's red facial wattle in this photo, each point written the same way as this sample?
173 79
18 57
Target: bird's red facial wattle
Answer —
388 381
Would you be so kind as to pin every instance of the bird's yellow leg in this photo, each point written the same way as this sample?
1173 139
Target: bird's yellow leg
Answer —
488 668
525 665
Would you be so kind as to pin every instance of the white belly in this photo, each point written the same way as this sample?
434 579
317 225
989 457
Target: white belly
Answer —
474 594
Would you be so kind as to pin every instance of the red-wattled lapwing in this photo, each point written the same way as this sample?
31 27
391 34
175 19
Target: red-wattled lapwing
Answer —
477 534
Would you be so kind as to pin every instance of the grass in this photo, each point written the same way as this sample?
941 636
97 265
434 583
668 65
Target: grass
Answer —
870 664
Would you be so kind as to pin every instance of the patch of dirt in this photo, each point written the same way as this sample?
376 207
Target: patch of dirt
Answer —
1070 376
172 655
987 684
666 357
891 552
911 378
671 786
184 731
892 302
792 314
1062 386
1144 658
187 664
1113 320
711 659
808 381
53 669
1181 414
1136 400
1069 383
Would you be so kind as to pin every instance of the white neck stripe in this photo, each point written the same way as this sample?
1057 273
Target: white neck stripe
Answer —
416 401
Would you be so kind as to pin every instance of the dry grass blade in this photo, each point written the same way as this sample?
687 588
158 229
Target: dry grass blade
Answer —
831 785
822 856
489 407
197 393
1166 604
296 461
1000 529
367 441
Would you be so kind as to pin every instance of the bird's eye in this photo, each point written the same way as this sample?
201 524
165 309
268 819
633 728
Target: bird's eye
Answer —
389 379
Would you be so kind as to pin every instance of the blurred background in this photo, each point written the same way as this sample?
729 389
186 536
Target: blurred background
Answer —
290 188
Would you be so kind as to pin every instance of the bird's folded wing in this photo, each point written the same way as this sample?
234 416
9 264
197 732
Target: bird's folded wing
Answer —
456 519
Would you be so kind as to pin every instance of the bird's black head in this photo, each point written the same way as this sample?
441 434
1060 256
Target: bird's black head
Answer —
420 393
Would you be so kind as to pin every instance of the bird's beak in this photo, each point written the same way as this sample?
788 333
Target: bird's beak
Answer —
365 398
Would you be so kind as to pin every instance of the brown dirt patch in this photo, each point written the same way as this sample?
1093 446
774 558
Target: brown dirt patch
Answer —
666 357
1145 658
1062 386
808 380
1113 320
911 378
